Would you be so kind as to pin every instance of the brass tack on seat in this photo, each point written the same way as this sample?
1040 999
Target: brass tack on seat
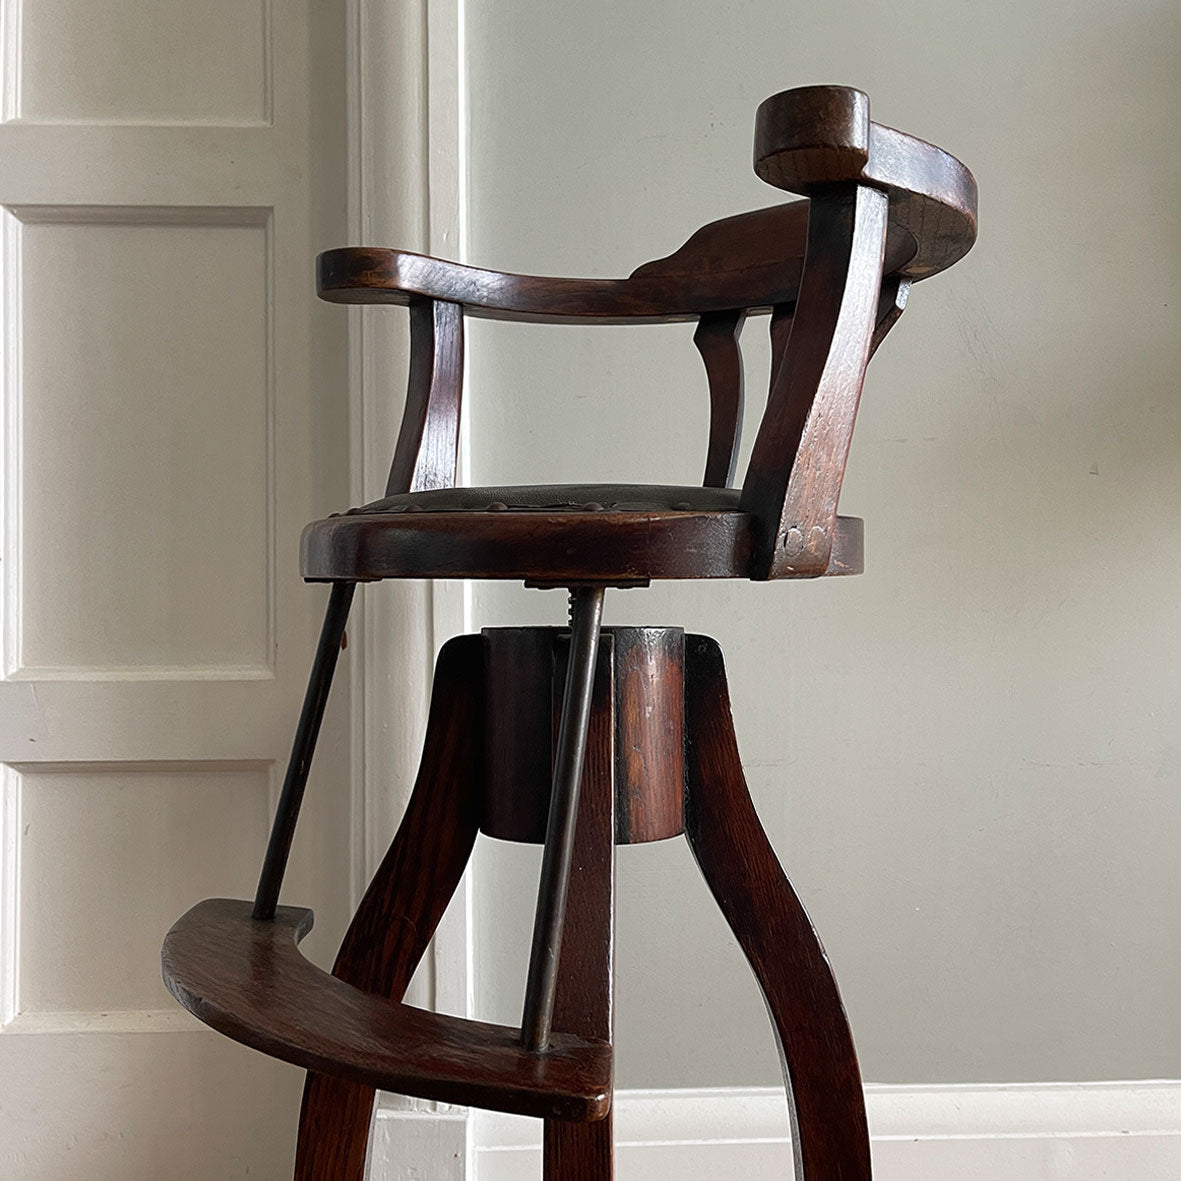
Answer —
497 506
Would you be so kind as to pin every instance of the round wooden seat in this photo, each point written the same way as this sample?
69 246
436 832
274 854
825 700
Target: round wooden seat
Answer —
562 533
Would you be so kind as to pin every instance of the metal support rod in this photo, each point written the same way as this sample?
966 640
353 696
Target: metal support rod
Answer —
266 898
586 614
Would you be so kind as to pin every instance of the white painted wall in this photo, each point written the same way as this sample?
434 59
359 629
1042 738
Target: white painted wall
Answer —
968 758
1046 1132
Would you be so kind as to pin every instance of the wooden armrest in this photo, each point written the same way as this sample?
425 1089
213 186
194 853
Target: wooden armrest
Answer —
751 262
369 275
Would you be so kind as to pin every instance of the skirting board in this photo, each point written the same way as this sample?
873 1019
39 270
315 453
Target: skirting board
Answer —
1118 1131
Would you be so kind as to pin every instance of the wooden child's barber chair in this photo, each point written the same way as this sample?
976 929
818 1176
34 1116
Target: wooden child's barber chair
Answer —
578 737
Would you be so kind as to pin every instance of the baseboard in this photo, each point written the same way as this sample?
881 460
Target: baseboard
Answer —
1130 1131
421 1144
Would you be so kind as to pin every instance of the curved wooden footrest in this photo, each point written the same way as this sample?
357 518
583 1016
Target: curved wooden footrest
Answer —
247 979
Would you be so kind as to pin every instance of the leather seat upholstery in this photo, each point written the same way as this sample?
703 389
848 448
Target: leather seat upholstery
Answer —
616 498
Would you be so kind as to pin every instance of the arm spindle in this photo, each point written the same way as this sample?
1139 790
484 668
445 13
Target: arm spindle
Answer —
428 441
780 330
716 339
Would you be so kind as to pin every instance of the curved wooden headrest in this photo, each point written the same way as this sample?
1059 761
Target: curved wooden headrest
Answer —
815 136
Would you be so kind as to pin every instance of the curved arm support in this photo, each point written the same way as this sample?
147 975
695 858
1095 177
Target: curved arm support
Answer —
891 305
830 1137
793 483
428 441
716 339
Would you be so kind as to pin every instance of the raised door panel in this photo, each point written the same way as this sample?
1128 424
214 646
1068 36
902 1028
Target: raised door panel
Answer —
142 427
124 61
108 857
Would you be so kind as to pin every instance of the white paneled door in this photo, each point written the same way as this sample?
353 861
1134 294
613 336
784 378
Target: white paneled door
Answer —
173 413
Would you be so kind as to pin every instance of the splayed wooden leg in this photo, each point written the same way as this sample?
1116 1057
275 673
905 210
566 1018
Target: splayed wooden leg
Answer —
405 901
829 1132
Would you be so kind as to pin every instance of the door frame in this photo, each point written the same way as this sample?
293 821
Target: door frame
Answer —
407 151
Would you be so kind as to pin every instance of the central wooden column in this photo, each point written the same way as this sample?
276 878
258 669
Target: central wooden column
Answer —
632 791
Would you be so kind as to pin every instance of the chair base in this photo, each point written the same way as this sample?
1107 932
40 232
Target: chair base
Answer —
661 759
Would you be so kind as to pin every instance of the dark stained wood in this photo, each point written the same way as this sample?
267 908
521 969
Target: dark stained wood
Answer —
646 711
716 339
246 978
519 734
891 304
780 331
428 442
584 1004
883 209
650 733
751 261
815 136
820 131
616 548
813 405
757 245
830 1136
403 905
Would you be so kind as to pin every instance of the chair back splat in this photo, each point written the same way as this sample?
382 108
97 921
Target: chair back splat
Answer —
585 737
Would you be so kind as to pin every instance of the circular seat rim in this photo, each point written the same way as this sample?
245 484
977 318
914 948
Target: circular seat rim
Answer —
563 547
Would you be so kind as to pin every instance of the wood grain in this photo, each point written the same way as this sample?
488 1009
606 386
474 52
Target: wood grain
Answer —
883 209
716 339
814 136
405 901
246 978
614 548
829 1132
650 733
751 261
813 405
645 710
428 441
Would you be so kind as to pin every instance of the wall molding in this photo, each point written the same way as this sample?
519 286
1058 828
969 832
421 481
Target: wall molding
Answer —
406 169
407 186
1091 1131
